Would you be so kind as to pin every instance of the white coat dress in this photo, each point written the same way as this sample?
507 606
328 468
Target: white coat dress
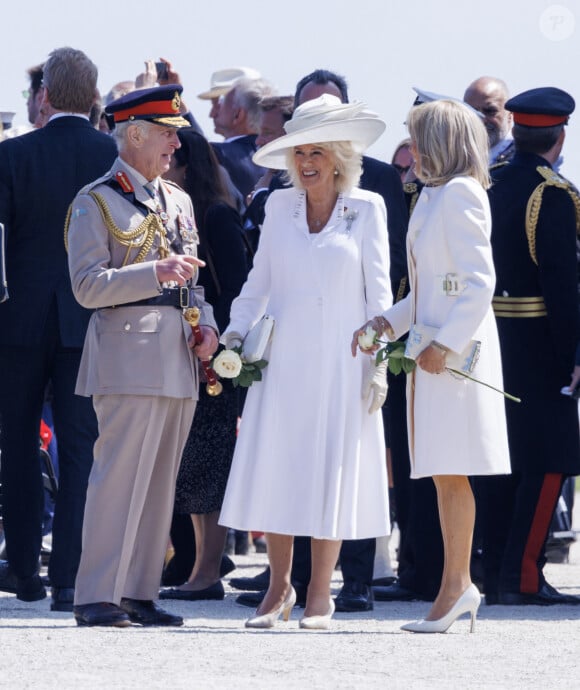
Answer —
309 458
455 426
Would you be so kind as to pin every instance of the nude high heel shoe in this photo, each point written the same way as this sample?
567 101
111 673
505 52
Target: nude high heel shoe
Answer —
268 620
468 602
318 622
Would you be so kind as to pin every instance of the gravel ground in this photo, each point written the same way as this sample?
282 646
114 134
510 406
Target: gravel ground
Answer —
512 647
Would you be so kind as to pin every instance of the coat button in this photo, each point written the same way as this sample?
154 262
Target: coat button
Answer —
127 327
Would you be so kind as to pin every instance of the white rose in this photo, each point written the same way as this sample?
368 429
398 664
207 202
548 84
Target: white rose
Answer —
367 339
227 364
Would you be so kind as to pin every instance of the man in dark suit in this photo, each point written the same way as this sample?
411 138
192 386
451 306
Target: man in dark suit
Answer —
535 214
237 118
42 327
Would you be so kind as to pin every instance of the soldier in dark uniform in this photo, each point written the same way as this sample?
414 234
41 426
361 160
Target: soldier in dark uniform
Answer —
536 215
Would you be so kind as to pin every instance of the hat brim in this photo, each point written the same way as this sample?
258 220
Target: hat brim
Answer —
216 92
361 132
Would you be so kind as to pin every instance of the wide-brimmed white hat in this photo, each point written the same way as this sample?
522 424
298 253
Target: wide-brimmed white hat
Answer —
223 80
320 121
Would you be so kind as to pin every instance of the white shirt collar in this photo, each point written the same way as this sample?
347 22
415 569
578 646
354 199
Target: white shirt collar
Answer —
57 115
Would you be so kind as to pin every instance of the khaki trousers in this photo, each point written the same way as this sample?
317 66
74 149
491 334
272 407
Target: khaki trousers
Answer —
130 496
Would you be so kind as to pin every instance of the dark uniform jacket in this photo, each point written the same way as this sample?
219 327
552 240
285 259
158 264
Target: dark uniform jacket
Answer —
538 335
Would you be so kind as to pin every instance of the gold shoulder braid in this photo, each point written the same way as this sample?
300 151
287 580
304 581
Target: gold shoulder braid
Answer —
552 179
498 165
142 237
410 188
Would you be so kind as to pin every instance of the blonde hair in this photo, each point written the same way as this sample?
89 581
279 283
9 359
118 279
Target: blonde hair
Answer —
347 161
450 140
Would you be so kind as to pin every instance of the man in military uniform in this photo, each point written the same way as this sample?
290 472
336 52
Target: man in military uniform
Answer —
536 215
132 257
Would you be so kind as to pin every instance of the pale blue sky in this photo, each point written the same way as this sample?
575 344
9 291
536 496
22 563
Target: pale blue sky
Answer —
383 47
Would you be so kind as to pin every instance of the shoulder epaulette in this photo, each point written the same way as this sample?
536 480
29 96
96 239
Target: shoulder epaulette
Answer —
551 179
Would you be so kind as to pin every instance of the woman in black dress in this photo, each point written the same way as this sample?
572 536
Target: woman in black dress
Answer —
209 449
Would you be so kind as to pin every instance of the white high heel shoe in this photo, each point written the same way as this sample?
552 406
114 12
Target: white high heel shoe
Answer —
268 620
318 622
468 602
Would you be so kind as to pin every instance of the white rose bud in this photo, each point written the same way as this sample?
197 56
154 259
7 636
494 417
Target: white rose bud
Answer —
227 364
367 339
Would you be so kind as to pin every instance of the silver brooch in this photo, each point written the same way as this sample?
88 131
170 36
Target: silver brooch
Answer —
350 217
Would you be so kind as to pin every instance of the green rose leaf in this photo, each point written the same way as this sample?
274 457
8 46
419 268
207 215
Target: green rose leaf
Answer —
395 365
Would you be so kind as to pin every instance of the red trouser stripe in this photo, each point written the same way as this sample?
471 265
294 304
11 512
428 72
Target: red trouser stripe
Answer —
549 493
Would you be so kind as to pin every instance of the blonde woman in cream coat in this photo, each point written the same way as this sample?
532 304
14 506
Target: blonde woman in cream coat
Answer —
457 427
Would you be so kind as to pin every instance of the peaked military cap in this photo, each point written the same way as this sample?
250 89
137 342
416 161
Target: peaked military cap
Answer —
429 96
159 104
543 107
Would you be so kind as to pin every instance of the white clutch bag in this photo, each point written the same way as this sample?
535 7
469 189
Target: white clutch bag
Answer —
257 339
419 338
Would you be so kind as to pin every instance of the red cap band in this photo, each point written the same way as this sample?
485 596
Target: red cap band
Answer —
531 120
159 108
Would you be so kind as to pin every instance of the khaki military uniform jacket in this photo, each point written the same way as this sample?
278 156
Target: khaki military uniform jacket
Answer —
135 350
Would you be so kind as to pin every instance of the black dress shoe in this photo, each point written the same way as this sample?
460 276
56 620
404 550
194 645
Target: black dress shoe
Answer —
546 596
252 584
101 613
251 599
396 592
146 612
254 599
175 575
62 599
215 591
354 596
30 588
226 565
25 588
383 581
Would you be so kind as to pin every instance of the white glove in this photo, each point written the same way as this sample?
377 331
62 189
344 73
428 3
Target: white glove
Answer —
375 386
231 340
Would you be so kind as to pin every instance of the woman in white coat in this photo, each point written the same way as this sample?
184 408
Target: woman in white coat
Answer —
457 427
310 455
